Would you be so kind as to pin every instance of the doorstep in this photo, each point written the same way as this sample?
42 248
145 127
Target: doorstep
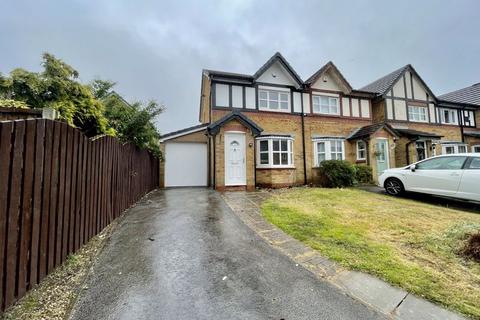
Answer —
391 301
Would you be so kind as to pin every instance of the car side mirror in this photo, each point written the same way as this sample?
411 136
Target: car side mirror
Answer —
413 167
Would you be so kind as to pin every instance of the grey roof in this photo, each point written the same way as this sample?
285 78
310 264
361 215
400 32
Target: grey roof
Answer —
475 134
174 133
366 131
214 127
468 95
382 85
410 133
278 57
246 78
329 65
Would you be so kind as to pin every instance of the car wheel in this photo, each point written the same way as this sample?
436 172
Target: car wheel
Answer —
394 187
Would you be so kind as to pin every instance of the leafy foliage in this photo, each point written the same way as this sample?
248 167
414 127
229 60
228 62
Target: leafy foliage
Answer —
94 108
363 174
132 122
337 174
57 87
9 103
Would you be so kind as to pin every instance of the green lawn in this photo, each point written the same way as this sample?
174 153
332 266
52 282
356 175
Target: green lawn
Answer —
410 244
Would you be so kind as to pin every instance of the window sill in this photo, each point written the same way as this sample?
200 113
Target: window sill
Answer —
274 167
276 110
419 121
361 160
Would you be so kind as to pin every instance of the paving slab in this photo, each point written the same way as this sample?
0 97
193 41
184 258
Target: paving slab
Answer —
371 290
413 308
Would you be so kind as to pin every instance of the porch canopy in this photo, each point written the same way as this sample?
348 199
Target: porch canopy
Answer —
418 135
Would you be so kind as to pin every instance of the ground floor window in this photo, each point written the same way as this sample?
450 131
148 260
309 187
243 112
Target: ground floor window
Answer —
454 148
328 150
476 148
274 152
361 150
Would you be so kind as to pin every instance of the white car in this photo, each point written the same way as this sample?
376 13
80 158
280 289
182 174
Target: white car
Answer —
453 175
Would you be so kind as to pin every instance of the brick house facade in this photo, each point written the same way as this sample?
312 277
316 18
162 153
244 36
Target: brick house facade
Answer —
271 129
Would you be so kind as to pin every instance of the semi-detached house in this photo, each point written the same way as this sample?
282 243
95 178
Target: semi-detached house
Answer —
272 129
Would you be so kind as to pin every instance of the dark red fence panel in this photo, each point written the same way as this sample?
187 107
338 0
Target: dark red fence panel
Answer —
58 189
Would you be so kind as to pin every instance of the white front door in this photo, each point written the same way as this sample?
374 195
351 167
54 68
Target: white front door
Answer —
235 159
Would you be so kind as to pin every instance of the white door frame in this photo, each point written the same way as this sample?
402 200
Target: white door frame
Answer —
241 136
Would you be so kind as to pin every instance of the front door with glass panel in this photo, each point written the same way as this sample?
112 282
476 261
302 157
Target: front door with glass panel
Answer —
235 159
382 156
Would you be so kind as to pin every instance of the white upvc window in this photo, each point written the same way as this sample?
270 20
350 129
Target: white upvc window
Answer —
417 114
274 152
273 100
328 149
454 148
476 149
449 116
361 150
325 105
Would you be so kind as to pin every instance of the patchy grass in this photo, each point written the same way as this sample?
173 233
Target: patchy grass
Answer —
55 296
412 245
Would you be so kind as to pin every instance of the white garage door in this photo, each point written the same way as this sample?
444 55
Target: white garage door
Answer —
185 164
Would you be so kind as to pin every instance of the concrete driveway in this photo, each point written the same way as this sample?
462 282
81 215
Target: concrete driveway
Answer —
182 254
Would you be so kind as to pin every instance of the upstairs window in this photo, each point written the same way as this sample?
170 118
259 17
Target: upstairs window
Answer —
325 105
417 114
328 150
274 152
273 100
449 116
361 150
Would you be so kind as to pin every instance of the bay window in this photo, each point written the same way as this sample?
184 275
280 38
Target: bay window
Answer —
361 150
331 149
274 152
273 100
325 105
417 114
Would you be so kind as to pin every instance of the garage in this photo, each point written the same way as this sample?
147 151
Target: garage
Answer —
185 154
185 164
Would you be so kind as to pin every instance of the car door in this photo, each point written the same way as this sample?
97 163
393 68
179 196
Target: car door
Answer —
440 175
470 183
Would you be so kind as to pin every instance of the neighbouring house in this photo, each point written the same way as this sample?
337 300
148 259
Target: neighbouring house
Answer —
271 129
427 125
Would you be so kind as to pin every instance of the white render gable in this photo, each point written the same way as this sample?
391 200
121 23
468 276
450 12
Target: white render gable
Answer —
276 74
328 82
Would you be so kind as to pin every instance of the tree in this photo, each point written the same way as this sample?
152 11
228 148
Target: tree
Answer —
57 87
132 122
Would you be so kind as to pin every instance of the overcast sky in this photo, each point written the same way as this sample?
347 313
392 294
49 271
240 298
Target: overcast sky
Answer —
157 49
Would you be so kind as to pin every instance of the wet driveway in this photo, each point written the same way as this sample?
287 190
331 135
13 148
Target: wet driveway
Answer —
182 254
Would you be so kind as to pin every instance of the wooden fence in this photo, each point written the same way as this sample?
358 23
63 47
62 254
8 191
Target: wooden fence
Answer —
58 189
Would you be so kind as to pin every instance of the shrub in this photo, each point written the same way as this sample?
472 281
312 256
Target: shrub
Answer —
363 174
337 174
472 248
